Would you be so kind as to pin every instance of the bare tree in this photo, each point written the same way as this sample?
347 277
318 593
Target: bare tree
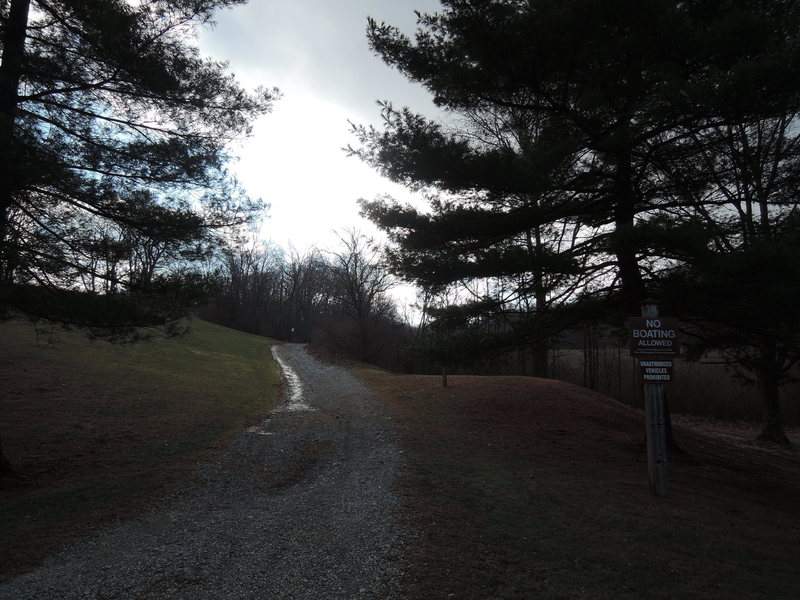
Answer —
360 282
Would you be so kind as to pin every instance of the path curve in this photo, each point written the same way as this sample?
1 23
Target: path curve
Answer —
300 507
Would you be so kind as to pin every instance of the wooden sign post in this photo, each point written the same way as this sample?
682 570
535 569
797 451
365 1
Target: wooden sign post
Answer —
654 340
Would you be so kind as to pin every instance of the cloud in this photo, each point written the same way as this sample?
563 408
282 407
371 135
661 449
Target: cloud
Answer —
318 47
295 162
316 51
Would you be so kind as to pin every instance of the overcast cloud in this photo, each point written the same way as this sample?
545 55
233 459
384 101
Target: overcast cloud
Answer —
317 53
318 47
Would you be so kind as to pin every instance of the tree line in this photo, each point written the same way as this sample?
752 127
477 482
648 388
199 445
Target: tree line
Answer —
338 299
595 155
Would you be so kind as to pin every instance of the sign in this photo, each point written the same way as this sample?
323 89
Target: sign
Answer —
656 371
654 336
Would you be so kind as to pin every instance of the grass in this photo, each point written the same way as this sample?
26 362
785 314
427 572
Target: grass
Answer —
525 488
97 429
518 488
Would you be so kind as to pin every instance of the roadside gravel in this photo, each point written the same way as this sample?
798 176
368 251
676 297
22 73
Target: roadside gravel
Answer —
300 507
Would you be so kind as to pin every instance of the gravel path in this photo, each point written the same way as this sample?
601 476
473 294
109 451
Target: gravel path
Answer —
300 506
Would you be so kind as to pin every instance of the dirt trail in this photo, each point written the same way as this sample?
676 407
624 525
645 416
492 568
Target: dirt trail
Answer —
300 506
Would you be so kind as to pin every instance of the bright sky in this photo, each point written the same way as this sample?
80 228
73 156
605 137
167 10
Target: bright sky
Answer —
316 52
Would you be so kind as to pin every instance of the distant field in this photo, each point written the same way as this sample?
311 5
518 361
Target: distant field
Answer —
97 429
525 488
700 389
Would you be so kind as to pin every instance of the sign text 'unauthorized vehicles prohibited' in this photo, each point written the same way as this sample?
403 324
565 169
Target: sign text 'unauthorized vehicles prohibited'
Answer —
654 336
656 371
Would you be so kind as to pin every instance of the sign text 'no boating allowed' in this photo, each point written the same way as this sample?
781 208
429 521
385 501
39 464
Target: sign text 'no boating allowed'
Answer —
654 336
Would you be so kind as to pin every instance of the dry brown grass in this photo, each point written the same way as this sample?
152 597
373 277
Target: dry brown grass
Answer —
535 488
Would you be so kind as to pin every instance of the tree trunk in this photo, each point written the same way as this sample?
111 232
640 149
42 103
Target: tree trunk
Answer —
541 357
540 348
11 68
10 72
768 383
591 364
625 245
6 469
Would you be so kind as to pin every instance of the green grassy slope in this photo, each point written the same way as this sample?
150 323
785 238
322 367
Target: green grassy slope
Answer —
96 429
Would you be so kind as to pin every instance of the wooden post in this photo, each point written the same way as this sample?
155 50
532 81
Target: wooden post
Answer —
444 376
655 420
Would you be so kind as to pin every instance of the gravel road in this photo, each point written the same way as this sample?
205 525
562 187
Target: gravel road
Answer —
300 506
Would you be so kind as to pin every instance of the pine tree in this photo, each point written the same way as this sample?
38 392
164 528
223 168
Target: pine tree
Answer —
614 81
624 92
110 117
110 121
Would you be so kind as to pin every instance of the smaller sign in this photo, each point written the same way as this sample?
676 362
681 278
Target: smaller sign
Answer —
654 336
656 371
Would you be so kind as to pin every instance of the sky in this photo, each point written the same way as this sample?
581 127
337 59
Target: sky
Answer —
316 52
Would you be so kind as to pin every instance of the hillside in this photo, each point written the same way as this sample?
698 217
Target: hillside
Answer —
516 487
95 430
526 487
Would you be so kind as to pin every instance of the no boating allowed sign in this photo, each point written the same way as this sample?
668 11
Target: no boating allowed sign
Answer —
654 336
654 340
